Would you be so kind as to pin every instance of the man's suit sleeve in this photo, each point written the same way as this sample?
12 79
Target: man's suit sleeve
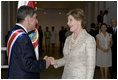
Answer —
25 56
42 65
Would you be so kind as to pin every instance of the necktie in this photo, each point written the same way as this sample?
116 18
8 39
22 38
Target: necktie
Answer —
114 31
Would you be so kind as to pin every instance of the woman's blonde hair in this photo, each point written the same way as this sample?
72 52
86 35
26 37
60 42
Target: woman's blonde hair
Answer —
78 14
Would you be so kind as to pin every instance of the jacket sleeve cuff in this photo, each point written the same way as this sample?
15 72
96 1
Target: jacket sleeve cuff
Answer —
42 65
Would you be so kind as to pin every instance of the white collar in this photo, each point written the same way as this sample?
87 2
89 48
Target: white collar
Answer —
114 27
22 27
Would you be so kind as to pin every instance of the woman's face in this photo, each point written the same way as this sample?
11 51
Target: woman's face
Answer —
73 24
103 28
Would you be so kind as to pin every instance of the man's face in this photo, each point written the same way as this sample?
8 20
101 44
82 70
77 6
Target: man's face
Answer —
113 23
32 22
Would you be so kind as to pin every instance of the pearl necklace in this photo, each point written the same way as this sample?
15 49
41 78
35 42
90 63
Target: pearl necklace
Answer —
73 41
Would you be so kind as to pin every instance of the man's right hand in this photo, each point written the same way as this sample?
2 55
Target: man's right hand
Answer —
46 58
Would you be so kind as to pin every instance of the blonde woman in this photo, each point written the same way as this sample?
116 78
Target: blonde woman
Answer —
79 49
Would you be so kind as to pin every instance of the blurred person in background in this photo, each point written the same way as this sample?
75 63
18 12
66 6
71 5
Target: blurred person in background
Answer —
40 39
47 35
113 31
53 38
104 56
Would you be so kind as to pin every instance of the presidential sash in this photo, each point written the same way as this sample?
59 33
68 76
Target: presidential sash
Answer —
34 37
14 35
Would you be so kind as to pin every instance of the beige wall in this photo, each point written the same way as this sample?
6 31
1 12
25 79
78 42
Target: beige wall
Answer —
52 18
8 18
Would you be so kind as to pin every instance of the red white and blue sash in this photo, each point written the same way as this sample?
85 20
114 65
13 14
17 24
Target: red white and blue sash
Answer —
11 41
34 37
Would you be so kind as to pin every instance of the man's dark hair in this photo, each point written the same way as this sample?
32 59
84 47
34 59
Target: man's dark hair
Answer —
104 24
52 26
105 12
92 25
23 11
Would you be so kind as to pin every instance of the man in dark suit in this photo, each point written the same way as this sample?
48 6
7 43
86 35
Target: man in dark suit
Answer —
22 59
113 31
100 17
61 38
92 31
40 39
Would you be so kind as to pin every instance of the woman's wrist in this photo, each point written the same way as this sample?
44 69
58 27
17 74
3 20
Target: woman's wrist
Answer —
55 65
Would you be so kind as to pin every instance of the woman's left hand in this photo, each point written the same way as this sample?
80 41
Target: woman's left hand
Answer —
52 61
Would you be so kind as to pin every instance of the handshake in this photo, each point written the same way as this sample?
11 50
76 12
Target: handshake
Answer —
49 61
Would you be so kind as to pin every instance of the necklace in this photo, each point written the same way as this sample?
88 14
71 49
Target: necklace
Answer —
73 40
